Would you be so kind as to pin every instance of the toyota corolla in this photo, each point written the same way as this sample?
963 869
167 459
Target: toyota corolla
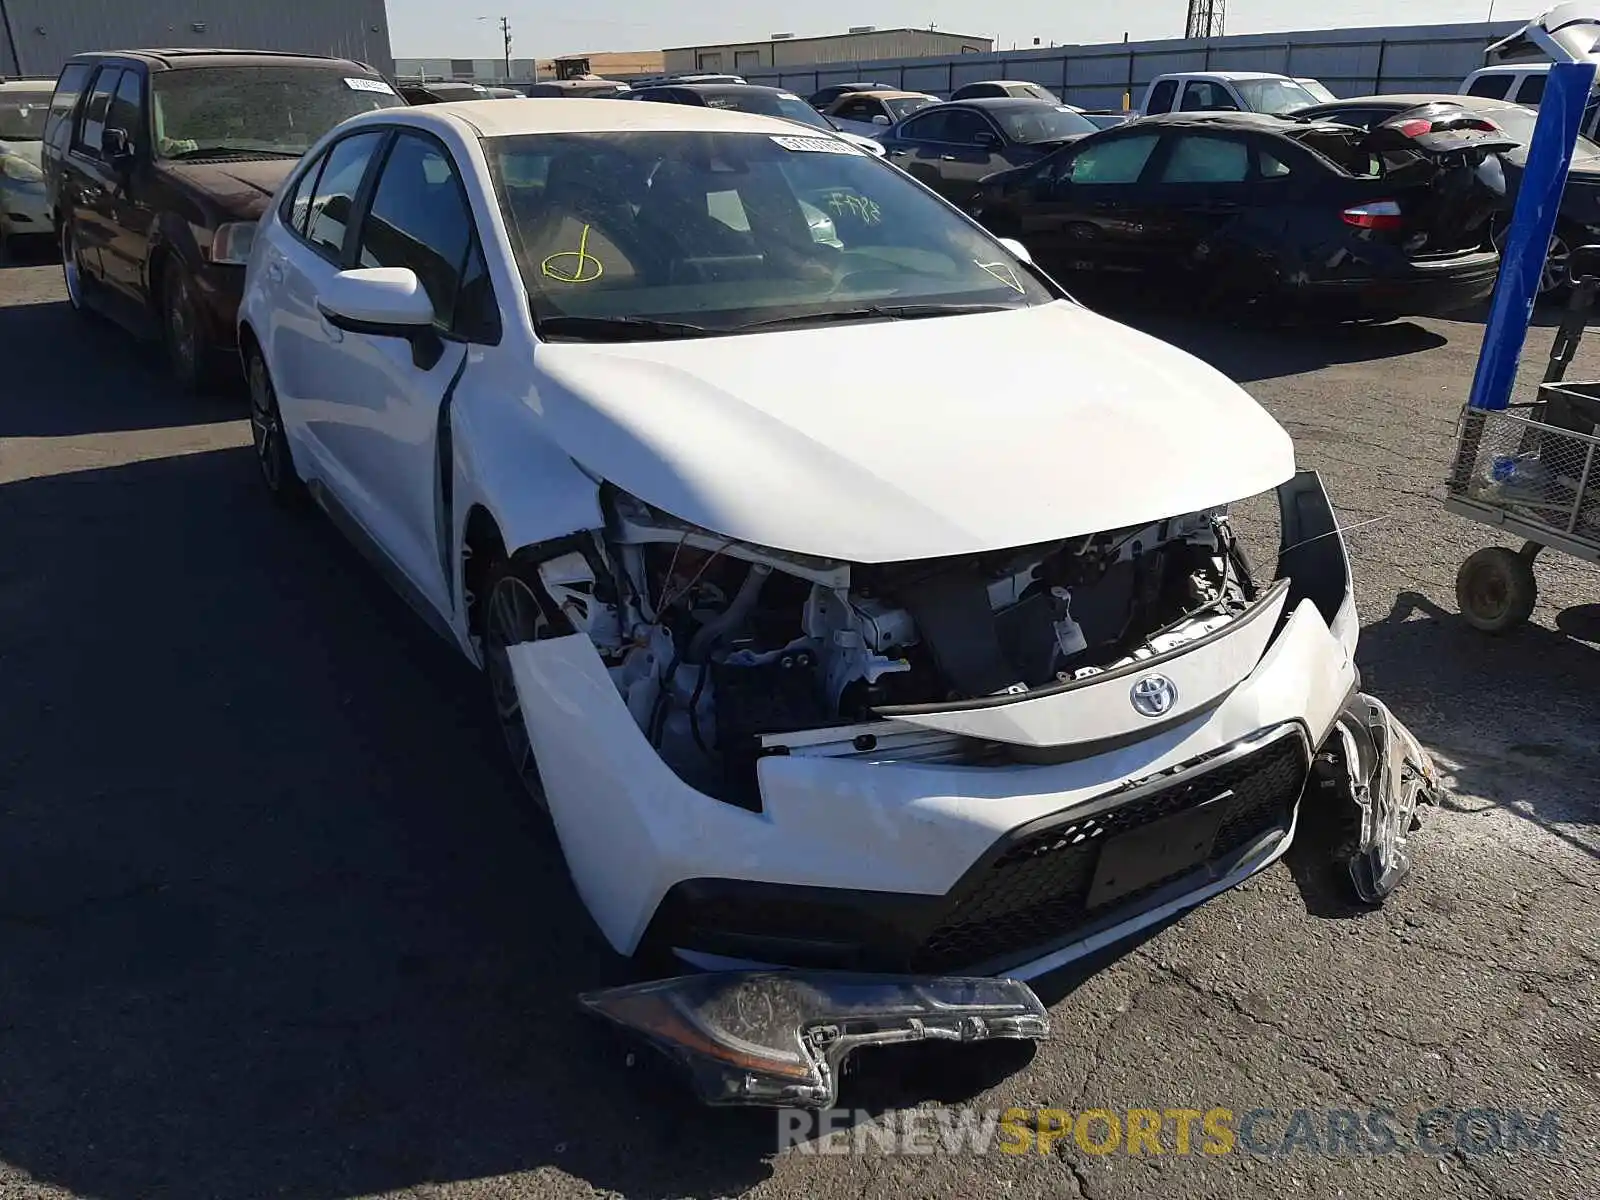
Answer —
864 614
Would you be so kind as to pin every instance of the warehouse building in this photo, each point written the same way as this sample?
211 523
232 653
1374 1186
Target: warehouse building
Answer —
862 44
37 36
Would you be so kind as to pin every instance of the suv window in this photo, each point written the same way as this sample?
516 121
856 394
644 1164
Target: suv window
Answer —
1492 87
275 110
419 219
1207 160
68 88
92 129
1204 96
333 202
1118 160
1532 89
1162 96
127 107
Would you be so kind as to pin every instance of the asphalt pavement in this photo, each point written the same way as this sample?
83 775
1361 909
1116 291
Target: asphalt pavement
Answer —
273 923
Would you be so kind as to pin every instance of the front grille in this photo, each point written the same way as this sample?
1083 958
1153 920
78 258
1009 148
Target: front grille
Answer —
1036 891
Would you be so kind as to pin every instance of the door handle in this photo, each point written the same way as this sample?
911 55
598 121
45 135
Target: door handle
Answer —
275 272
947 158
329 330
898 153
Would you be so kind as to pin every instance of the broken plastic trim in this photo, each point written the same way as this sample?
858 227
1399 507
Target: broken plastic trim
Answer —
1389 774
780 1038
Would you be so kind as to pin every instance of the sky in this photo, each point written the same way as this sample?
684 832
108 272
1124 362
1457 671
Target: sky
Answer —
442 28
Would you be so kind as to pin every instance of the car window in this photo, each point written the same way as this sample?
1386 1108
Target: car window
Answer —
724 230
1116 160
1204 96
963 127
929 128
1491 87
1044 123
857 109
1274 95
298 202
1207 160
127 107
1161 96
271 110
92 129
333 202
903 106
1270 166
68 88
1532 89
22 115
419 219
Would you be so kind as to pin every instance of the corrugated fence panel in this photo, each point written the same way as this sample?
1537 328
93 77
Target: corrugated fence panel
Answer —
348 28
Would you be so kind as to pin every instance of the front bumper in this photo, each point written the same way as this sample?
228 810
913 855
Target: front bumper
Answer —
24 209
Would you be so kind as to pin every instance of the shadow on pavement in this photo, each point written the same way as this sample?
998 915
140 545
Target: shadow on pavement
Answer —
1454 687
1250 352
67 374
273 921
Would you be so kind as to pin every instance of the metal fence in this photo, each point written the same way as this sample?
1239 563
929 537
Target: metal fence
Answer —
1351 62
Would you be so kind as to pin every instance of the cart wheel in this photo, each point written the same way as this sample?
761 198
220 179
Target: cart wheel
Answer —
1496 590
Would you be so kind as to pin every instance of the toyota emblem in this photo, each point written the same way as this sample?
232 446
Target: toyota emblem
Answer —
1154 696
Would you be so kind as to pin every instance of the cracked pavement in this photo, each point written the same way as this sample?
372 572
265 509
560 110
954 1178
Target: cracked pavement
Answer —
273 922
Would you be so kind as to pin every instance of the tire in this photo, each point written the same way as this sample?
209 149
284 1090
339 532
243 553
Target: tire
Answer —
267 435
190 351
514 608
1496 590
1554 283
78 284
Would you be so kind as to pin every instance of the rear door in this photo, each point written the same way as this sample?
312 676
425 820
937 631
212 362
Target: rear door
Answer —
59 124
1201 186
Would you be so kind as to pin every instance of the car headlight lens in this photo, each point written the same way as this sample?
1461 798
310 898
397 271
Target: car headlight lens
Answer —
20 169
232 243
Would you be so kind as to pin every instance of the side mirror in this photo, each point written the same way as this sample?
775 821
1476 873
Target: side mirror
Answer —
882 119
1016 248
385 302
116 146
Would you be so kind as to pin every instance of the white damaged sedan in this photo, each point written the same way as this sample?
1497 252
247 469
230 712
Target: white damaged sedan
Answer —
853 601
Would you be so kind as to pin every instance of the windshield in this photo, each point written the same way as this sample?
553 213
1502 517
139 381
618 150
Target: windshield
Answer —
1043 124
1314 89
903 106
275 110
1273 95
726 231
769 104
22 116
1518 122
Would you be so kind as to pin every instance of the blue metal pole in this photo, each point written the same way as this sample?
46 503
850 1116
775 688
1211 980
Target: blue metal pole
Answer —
1527 241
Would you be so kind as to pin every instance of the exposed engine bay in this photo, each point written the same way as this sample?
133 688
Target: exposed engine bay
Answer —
717 645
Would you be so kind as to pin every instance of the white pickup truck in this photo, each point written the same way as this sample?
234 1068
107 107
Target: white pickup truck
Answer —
1230 91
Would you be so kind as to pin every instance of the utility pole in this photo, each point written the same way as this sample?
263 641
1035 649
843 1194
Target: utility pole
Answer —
1205 18
505 37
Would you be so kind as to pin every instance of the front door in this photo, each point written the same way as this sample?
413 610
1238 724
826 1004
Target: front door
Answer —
129 216
390 394
1090 212
1202 186
88 181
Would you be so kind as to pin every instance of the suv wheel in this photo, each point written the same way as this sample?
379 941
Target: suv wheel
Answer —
189 347
72 269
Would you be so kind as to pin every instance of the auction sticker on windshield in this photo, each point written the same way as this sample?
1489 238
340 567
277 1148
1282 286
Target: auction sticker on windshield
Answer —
815 145
369 85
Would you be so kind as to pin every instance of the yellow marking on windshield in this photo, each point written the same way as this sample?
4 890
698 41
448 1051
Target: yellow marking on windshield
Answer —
585 267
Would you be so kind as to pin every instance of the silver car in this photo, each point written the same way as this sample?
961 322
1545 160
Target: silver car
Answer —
24 105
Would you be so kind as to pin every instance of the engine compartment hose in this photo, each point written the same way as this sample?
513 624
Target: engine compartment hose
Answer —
735 615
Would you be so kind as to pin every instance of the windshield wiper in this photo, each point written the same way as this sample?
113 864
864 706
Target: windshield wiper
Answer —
210 151
621 329
876 312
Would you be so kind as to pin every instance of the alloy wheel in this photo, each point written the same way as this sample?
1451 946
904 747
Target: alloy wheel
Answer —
266 427
181 325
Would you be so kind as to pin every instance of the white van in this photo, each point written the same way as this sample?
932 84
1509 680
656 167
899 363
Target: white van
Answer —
1522 83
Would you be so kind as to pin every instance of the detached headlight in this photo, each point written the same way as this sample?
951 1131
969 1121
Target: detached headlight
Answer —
20 169
232 243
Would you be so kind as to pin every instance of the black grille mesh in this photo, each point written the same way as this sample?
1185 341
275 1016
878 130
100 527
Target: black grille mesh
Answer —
1035 892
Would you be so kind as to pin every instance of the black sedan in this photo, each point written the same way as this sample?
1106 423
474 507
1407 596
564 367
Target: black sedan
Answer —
1245 207
1579 220
952 147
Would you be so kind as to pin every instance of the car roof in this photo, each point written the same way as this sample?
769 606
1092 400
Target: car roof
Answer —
722 89
1259 122
895 94
1401 101
178 58
494 118
1003 82
1002 103
1229 75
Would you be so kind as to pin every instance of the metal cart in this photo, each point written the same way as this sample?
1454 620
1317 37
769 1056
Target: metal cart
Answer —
1534 471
